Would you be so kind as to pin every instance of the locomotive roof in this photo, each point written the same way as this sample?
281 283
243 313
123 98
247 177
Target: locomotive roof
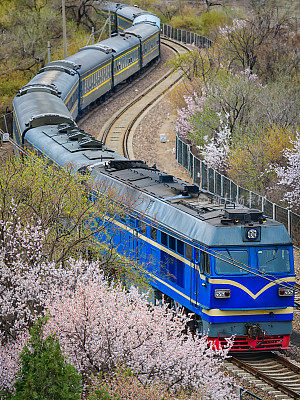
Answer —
176 205
180 207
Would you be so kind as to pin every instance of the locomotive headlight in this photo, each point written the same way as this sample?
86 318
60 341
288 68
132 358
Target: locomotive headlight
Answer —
252 234
222 293
285 292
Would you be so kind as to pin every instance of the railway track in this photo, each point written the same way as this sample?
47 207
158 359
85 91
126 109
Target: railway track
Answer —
116 133
271 368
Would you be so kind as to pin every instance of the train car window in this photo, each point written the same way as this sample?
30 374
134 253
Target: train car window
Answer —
197 255
228 261
172 243
131 221
153 233
164 239
172 269
274 260
188 252
180 273
123 218
143 228
205 263
180 247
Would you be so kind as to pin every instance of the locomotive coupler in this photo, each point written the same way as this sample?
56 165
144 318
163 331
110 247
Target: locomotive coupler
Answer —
254 331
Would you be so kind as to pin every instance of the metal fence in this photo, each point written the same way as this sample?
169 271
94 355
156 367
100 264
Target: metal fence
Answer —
209 179
184 36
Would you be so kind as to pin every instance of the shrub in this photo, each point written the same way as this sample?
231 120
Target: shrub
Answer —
44 373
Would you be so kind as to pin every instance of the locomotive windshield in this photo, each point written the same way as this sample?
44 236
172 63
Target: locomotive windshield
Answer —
225 263
274 260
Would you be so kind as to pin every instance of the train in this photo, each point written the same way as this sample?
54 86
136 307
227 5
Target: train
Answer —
228 266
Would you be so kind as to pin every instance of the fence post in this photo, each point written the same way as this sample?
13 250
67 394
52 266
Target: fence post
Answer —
250 199
222 186
215 183
49 51
5 123
93 34
289 222
274 210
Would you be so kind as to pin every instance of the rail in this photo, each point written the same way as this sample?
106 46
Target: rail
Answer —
117 138
273 369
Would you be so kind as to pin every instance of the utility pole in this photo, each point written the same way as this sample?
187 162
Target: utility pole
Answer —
63 9
109 24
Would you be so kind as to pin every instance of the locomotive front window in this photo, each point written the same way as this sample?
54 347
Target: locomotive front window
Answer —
228 261
274 260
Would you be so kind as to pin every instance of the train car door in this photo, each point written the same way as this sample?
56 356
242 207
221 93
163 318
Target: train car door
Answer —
199 276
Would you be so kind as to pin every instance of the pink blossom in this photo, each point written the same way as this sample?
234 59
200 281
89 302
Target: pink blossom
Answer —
216 150
194 105
289 176
102 325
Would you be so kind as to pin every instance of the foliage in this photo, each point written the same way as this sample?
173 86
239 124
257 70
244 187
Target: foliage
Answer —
101 325
215 151
261 42
44 373
227 95
58 201
123 384
187 21
250 161
212 20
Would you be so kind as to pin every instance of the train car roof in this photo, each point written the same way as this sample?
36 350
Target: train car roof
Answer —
34 108
110 6
63 81
67 145
130 12
142 30
180 208
119 44
89 58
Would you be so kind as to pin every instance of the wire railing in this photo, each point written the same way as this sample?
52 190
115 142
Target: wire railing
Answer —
184 36
209 179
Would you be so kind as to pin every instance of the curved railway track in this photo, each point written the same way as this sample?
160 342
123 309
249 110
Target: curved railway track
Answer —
116 132
275 370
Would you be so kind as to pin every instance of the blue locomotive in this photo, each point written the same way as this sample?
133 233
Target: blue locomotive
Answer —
228 265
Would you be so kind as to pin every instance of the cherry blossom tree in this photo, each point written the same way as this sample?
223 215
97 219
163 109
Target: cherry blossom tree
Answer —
102 325
289 176
216 150
184 124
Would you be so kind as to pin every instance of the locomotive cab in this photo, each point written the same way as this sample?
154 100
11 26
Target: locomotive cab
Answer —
251 289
